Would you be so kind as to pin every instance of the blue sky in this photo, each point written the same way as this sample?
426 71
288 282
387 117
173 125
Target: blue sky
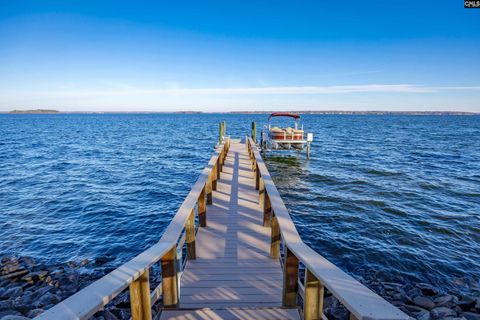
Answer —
245 55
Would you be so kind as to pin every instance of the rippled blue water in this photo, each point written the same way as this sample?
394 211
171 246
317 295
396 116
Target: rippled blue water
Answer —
395 194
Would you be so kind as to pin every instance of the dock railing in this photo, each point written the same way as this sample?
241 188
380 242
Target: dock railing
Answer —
361 302
135 273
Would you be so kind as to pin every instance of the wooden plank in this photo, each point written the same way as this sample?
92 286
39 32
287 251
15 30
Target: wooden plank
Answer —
227 290
232 314
238 271
221 304
226 298
194 276
231 283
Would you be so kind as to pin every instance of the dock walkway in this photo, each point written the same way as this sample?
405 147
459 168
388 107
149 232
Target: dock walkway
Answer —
230 252
233 267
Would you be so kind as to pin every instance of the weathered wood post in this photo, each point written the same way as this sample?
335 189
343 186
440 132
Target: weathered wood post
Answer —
275 238
202 208
314 293
209 188
169 279
214 177
290 279
220 133
190 236
219 167
257 178
267 209
140 298
254 131
261 193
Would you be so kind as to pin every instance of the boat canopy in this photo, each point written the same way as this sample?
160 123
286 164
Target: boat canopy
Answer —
284 114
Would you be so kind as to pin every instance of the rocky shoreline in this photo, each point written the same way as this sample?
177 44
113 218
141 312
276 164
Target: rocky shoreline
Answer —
28 288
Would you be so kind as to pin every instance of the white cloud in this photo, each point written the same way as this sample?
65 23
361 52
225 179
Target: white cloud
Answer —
291 90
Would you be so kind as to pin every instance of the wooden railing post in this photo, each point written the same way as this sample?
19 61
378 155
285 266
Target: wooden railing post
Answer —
140 298
190 236
202 208
214 177
313 302
290 279
169 279
257 178
220 160
208 190
261 192
219 168
267 209
275 238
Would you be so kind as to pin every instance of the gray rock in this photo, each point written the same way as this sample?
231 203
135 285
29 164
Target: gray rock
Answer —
21 307
402 297
397 303
414 309
422 315
35 276
414 292
28 261
47 299
35 313
6 313
466 303
448 301
84 262
103 259
121 314
424 302
427 289
109 316
5 305
12 293
57 273
442 312
123 301
470 315
15 317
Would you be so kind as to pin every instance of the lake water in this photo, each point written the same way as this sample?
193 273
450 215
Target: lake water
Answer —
399 195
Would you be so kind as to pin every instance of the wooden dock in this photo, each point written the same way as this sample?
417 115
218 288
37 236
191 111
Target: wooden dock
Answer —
233 268
243 257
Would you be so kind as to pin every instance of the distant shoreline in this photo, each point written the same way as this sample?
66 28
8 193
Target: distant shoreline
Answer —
325 112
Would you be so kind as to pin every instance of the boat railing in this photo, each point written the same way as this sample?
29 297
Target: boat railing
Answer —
135 273
319 273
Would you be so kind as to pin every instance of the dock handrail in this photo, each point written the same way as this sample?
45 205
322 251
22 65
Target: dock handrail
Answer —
361 302
135 273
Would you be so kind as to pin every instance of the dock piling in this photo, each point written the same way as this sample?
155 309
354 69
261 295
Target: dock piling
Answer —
169 279
140 298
